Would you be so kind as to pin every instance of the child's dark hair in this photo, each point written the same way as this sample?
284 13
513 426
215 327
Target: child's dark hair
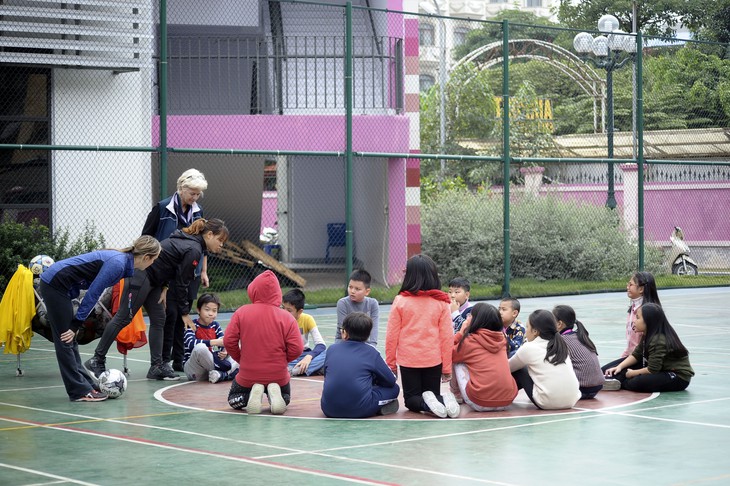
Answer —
208 298
543 321
483 316
358 326
566 314
658 324
514 303
646 280
460 283
421 274
361 275
294 297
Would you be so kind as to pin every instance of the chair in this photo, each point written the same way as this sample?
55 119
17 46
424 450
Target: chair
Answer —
336 237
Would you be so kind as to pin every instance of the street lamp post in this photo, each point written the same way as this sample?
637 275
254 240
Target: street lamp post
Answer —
608 52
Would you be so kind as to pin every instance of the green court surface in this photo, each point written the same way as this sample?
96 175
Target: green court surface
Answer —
185 433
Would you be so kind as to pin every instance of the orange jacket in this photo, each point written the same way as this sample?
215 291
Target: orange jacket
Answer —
419 333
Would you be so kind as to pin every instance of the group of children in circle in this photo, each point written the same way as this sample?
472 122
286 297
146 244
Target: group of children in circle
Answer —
482 351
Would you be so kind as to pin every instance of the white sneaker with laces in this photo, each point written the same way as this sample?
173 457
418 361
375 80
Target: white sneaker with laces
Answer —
214 376
254 399
277 405
452 406
437 408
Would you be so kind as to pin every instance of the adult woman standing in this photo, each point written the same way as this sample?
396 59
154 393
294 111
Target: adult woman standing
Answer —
175 213
62 283
181 254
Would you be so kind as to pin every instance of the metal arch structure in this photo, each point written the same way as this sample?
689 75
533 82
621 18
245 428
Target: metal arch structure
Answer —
490 55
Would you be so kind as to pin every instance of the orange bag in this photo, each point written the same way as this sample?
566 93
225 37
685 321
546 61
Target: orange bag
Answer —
133 335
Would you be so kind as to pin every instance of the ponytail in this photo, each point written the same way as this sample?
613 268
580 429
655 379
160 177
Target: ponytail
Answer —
547 327
584 338
201 226
144 245
566 314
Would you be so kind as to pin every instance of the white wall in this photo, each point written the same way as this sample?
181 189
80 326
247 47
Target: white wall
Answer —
91 107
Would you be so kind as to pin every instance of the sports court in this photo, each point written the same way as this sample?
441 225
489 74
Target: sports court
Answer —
185 433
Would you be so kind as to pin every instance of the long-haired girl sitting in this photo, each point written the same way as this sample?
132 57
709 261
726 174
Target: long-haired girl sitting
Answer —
542 366
582 351
660 362
480 371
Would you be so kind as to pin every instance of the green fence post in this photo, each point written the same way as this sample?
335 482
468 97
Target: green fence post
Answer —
163 99
640 144
348 147
505 154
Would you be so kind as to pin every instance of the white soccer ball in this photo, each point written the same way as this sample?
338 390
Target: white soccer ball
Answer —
40 264
113 383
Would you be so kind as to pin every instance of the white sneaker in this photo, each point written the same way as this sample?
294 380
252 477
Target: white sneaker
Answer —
277 405
437 408
452 406
214 376
254 399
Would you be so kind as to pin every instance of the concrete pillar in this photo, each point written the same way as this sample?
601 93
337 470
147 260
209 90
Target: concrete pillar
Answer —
631 199
533 179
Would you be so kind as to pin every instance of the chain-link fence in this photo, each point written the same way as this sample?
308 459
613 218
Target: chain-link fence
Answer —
308 120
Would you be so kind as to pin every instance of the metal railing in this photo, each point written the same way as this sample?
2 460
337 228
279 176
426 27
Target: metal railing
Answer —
265 75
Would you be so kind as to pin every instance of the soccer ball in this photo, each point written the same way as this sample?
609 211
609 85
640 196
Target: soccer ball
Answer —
40 264
113 383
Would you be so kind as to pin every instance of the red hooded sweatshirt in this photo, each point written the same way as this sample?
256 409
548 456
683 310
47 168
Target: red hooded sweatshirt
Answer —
262 337
485 355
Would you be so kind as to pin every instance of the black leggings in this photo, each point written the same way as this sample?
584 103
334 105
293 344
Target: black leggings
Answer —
418 380
524 382
137 293
663 381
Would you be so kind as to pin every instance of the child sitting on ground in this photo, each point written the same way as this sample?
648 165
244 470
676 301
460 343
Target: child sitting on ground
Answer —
509 309
311 360
542 365
660 362
357 300
480 371
200 361
582 351
459 289
263 338
357 382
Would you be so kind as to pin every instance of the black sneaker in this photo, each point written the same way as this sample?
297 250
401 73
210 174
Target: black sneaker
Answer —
92 396
95 367
162 372
177 366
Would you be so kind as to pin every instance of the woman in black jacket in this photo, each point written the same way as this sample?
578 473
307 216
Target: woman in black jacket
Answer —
181 254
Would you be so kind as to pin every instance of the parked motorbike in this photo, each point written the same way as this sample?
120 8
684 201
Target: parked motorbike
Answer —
681 263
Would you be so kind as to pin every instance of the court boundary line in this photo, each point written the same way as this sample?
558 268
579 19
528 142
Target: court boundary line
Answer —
46 475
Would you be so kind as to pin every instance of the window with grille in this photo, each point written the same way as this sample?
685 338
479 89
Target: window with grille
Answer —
425 34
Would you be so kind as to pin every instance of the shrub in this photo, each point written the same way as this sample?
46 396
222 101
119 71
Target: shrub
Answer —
550 238
20 242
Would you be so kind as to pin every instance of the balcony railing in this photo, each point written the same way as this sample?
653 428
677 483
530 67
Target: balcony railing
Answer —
295 74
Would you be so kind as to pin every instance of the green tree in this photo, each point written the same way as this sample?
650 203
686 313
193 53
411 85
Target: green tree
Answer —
470 114
530 27
654 17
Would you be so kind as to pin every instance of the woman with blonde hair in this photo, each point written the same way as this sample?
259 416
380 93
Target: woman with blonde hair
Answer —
175 213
